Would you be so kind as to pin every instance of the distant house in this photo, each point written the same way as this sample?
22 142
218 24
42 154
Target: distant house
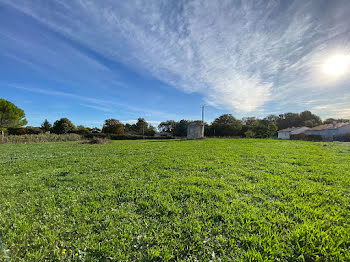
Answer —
286 133
163 134
329 131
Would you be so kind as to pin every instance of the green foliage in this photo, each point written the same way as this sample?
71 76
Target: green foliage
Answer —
181 128
11 115
305 118
167 126
24 131
249 133
213 199
63 126
227 125
150 131
332 120
141 127
113 126
46 126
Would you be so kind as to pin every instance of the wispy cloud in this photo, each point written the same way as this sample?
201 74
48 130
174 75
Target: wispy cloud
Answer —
341 110
240 55
101 104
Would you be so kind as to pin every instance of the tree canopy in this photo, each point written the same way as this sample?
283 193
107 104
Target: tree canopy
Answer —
11 115
113 126
46 126
63 126
226 125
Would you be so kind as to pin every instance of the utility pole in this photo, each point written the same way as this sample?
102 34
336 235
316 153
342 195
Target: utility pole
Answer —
202 106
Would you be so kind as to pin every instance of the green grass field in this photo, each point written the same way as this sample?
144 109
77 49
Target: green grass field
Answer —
214 199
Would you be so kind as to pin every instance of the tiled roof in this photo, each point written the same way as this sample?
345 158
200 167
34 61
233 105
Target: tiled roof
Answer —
289 129
329 126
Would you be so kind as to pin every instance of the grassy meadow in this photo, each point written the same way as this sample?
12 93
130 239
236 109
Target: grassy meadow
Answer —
214 199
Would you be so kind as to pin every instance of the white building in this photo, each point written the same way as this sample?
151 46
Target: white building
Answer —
329 131
286 133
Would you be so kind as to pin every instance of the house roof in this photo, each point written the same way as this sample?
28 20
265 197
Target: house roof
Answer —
290 129
329 126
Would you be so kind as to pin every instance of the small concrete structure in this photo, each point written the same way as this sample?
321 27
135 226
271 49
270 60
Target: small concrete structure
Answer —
330 131
286 133
195 130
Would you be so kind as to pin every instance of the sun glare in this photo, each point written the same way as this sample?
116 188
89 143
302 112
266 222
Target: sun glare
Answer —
337 65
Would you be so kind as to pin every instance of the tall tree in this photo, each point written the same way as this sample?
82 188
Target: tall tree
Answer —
181 128
46 126
141 126
63 126
227 125
113 126
10 115
309 119
167 126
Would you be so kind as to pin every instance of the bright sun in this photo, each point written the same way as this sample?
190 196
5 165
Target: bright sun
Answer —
337 65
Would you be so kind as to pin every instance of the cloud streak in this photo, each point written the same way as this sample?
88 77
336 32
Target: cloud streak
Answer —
240 55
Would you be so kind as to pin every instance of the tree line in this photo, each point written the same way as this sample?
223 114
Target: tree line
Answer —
13 119
227 125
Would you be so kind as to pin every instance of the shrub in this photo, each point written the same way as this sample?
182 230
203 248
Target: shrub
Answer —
97 140
113 126
24 131
63 126
249 133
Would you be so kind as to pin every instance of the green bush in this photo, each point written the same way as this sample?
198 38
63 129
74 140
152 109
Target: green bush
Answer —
24 131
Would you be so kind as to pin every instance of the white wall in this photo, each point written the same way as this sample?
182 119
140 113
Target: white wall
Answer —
344 130
284 135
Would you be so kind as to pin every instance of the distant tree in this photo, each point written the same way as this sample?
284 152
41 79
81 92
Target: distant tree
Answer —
289 120
305 118
167 126
271 118
10 115
63 126
181 128
150 131
83 130
141 126
309 119
113 126
332 120
46 126
272 129
227 125
95 130
127 128
249 134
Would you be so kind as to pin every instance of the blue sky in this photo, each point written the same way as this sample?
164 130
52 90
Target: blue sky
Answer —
96 59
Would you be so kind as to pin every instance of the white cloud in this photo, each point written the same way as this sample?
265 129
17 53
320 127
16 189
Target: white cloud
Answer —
239 56
340 109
